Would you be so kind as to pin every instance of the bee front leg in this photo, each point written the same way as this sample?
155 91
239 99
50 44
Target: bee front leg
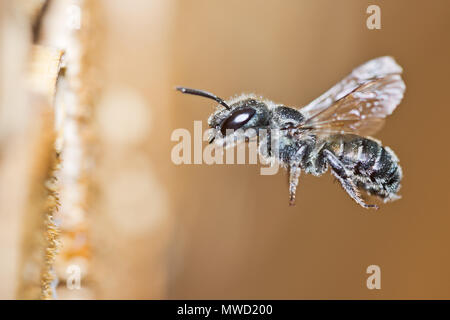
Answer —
338 170
294 174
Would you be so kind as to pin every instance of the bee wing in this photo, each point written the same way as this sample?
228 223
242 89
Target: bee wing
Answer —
360 102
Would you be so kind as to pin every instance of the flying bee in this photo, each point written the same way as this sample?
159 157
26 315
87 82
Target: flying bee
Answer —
333 131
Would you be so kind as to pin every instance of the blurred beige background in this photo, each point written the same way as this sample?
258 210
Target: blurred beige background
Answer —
241 239
230 232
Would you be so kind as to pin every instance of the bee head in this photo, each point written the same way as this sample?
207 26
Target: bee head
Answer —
240 114
244 113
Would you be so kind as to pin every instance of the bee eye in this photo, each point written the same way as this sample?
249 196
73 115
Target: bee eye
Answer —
237 119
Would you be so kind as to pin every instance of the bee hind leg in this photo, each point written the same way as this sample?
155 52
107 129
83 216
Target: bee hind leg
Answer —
294 174
338 170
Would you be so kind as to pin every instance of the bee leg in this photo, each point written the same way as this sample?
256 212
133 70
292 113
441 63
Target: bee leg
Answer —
294 174
338 170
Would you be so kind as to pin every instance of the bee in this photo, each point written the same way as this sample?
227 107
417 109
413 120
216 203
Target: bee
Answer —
332 132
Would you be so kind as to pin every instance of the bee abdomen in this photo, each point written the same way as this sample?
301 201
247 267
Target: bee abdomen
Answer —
385 175
373 167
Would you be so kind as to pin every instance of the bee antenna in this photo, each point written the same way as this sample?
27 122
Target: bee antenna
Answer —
205 94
